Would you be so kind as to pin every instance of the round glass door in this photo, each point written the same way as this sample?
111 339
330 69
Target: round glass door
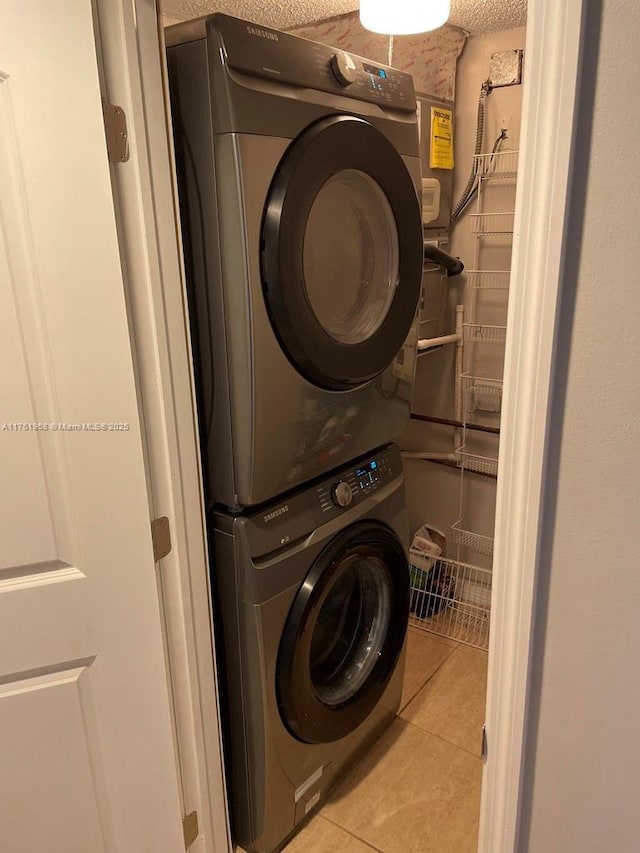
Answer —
341 252
344 634
350 631
351 238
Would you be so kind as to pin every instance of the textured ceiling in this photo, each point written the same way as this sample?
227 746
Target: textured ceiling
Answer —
475 16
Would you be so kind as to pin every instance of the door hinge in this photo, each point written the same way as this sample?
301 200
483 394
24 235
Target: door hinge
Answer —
190 829
483 748
161 537
115 127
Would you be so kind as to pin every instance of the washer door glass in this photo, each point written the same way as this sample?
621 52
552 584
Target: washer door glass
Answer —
344 634
351 240
350 631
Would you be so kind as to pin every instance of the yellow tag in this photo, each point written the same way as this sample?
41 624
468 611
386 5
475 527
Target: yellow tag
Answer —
441 151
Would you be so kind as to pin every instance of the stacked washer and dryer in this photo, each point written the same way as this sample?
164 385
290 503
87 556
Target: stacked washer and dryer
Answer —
299 174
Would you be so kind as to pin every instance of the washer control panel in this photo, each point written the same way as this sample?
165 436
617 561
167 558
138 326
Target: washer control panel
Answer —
368 476
351 486
342 493
296 514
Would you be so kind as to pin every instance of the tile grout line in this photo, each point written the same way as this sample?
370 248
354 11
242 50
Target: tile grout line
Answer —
448 641
352 834
418 728
440 738
424 684
437 638
427 731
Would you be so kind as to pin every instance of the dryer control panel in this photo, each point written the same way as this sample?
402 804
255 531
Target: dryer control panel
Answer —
263 52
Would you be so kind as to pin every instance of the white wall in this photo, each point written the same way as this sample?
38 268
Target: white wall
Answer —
582 779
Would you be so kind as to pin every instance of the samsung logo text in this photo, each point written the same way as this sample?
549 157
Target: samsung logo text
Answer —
263 34
276 513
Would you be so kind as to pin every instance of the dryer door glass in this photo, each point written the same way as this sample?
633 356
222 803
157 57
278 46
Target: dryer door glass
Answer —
351 239
341 252
344 634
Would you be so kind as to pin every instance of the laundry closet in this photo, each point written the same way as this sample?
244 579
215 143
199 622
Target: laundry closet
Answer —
410 441
116 704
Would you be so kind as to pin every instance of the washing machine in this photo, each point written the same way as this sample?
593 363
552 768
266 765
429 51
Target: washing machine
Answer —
311 600
298 173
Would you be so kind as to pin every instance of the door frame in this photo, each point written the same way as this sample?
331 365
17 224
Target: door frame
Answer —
133 68
554 38
151 248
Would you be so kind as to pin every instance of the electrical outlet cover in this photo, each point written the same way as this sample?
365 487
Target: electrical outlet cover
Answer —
505 68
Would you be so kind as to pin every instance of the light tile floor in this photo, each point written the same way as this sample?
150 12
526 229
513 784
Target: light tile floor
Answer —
418 789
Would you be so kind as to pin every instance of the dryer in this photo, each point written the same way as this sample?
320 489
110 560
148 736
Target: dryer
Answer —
299 177
311 600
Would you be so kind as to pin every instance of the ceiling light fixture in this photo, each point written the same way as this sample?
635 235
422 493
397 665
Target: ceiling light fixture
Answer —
403 17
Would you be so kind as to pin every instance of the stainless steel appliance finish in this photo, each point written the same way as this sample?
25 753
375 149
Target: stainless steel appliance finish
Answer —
299 176
311 601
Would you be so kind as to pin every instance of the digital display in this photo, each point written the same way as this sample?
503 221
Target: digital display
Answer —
368 475
375 71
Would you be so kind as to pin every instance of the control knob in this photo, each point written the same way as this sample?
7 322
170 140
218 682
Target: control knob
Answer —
344 68
341 494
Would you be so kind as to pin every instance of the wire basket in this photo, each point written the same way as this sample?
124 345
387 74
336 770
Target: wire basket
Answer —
498 164
481 333
473 541
480 463
431 590
452 599
487 279
492 224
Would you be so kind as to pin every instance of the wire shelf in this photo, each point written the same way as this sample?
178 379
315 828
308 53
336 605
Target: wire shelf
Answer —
486 385
492 223
452 599
501 164
477 463
483 334
488 279
482 393
473 541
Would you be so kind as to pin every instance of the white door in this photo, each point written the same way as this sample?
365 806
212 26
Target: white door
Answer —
86 751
